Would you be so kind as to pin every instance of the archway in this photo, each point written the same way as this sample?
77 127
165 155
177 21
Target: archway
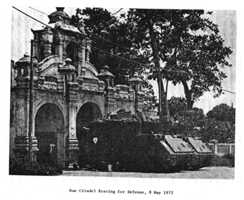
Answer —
88 113
49 131
72 52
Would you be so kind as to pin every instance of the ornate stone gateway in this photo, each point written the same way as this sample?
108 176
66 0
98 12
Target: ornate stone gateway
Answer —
67 92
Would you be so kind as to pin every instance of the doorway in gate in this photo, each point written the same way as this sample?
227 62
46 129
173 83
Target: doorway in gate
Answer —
49 131
88 113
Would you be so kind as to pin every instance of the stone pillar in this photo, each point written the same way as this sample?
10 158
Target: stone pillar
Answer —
109 100
47 49
83 61
35 49
88 50
70 88
60 49
21 150
59 46
21 122
47 39
72 143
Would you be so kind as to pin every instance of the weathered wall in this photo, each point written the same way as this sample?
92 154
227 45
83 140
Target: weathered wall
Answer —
18 116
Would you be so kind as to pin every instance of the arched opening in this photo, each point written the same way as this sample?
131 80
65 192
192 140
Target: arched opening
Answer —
49 131
88 113
72 52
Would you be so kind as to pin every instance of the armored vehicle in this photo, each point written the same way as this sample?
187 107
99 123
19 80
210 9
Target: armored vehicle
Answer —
122 145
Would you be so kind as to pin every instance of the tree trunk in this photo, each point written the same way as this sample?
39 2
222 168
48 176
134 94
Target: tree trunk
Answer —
166 102
188 95
160 96
155 51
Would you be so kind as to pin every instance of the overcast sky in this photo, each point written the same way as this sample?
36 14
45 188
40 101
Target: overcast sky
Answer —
226 20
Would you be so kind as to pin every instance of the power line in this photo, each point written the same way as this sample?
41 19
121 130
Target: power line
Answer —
95 36
117 11
229 91
121 57
30 16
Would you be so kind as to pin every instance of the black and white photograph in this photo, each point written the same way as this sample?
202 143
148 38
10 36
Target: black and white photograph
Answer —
128 92
121 100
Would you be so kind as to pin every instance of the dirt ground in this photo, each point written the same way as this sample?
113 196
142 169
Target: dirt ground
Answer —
207 172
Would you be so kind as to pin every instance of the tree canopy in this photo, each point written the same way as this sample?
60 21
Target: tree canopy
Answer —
222 112
181 46
189 45
218 123
111 44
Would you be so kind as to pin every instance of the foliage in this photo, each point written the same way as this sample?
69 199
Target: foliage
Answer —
177 105
186 122
187 42
219 123
110 43
182 46
221 131
111 46
222 112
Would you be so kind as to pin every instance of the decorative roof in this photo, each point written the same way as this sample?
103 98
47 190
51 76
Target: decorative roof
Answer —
105 72
59 15
25 60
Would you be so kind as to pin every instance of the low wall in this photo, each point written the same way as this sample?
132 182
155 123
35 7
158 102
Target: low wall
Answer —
222 148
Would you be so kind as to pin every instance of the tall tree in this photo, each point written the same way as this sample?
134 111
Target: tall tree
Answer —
182 46
187 43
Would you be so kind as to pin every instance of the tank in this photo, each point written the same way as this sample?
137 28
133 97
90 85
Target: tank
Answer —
120 145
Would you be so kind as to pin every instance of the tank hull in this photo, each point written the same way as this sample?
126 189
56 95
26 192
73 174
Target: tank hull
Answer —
119 146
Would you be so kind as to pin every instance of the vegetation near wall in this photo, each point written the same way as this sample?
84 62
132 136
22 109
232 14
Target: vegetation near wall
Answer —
218 123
